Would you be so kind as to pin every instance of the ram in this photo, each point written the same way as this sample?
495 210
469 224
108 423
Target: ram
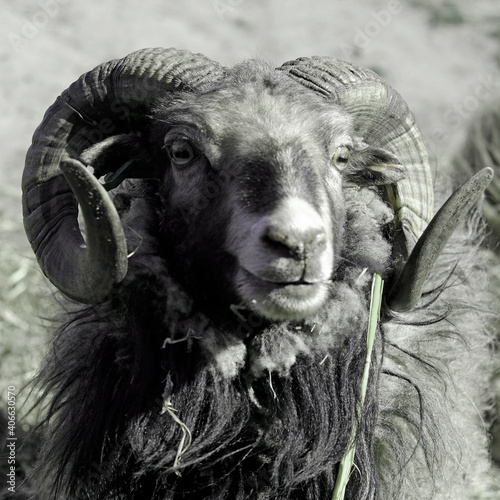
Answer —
217 338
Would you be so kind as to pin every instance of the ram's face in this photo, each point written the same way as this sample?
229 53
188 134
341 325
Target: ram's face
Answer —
253 163
253 199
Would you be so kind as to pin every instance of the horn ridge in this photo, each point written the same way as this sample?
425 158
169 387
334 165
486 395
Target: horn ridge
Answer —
172 65
328 71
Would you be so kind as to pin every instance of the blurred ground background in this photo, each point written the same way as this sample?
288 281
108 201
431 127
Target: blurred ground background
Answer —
443 56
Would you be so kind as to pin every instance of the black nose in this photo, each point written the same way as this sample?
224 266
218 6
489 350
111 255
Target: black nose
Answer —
296 227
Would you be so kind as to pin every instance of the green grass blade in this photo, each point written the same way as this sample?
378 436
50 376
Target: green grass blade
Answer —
348 459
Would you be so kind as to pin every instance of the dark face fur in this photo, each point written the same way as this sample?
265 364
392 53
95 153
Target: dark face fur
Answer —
253 205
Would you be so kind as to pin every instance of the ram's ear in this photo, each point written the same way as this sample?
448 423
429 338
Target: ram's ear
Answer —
120 157
372 166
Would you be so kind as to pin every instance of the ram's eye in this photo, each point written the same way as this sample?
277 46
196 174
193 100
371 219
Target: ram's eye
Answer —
341 157
181 152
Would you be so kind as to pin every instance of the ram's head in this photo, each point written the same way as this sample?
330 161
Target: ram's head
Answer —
253 164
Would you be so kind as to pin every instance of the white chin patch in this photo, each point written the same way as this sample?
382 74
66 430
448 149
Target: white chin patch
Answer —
282 302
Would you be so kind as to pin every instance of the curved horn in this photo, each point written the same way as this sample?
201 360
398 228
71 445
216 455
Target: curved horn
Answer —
382 118
113 98
407 289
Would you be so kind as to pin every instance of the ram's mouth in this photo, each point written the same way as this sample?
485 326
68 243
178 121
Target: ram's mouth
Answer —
281 300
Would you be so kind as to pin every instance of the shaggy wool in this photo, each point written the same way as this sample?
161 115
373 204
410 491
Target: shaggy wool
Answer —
150 396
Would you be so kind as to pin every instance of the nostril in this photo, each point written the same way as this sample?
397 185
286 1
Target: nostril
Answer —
277 237
319 239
